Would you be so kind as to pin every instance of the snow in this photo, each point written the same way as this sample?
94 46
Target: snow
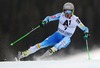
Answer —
79 60
94 55
51 64
77 55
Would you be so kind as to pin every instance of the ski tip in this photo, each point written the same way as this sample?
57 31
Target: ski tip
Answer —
16 59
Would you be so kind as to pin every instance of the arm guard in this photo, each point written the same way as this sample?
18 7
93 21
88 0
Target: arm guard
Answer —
82 27
52 18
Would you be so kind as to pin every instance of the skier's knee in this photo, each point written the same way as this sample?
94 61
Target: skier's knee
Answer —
38 46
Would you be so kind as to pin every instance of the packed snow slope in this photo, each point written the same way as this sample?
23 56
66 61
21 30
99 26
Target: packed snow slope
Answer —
79 60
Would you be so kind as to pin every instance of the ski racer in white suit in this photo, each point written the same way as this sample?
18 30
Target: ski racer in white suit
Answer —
61 38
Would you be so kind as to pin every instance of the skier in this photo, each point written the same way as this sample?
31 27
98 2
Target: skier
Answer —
62 37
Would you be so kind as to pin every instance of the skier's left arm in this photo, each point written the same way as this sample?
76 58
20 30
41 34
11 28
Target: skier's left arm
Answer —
83 28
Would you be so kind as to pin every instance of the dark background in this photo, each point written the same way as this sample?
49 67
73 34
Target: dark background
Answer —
17 17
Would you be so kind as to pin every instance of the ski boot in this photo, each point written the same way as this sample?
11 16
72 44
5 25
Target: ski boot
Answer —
23 54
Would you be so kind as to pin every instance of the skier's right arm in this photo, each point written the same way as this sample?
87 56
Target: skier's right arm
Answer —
50 18
83 28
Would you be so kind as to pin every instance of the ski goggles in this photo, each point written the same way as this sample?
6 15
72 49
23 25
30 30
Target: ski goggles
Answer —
68 11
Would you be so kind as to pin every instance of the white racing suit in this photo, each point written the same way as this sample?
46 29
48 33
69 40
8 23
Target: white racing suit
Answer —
61 38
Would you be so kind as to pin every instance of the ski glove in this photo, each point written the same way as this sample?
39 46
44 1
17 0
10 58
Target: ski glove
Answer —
86 36
43 23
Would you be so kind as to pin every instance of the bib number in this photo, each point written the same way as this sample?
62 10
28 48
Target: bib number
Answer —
67 23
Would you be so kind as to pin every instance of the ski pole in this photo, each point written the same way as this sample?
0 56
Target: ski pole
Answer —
25 35
88 50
